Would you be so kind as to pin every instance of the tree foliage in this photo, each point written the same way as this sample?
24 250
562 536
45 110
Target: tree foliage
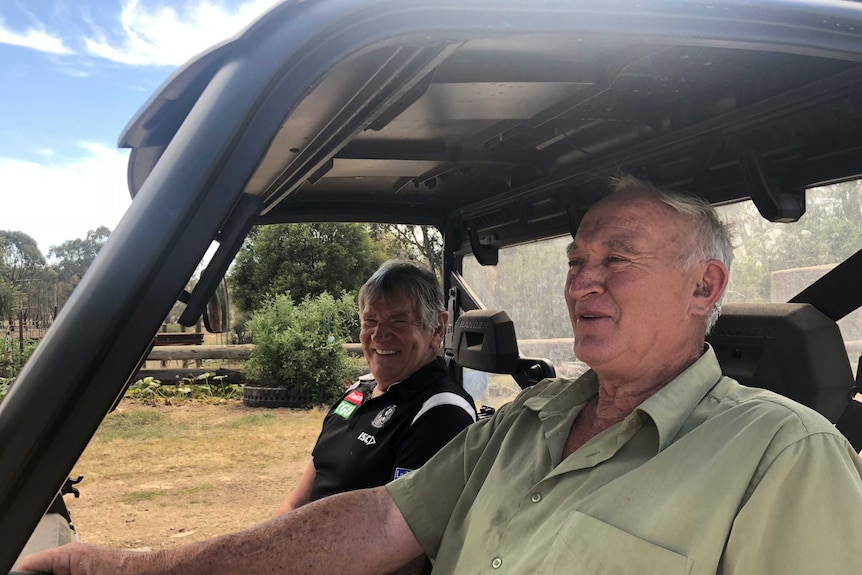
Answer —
528 284
20 254
776 261
304 260
72 258
828 233
25 283
7 295
423 244
34 288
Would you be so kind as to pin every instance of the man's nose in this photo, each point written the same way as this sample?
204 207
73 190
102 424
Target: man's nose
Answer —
585 280
381 331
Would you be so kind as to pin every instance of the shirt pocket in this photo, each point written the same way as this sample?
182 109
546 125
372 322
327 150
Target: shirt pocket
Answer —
588 545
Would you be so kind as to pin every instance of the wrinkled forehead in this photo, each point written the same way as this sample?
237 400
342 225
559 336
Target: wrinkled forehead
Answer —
631 221
398 302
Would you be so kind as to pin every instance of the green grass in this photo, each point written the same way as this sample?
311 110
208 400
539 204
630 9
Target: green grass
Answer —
253 420
144 495
201 488
133 426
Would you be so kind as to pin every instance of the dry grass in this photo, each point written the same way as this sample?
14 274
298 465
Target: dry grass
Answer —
158 475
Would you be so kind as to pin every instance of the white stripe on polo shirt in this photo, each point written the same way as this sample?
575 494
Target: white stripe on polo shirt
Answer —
445 398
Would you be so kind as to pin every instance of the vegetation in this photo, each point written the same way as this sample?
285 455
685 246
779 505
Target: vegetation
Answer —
13 355
513 285
423 244
829 232
207 387
26 285
300 345
304 260
31 289
308 259
72 259
157 475
135 425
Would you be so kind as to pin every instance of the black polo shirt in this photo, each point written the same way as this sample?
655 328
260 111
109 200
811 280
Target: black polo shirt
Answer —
367 442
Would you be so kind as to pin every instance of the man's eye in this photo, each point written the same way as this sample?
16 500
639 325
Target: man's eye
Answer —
369 322
575 263
616 259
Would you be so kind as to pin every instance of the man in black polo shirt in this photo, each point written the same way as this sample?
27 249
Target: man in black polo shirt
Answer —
369 440
391 421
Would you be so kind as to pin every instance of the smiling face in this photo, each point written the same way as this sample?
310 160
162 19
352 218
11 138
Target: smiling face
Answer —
635 309
394 340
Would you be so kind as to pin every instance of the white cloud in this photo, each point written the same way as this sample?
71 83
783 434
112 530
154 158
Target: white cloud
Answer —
167 36
47 152
58 201
35 38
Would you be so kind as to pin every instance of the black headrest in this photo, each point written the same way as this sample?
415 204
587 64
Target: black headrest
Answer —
791 349
485 341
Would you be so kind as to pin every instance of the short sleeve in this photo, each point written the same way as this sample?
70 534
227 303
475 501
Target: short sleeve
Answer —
804 515
428 496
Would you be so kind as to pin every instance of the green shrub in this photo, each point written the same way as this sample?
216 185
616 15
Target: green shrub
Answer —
300 345
12 359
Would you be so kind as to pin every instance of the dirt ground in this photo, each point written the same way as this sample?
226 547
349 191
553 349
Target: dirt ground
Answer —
157 476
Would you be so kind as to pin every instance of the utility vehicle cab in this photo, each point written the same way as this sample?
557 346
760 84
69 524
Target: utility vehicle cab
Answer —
495 121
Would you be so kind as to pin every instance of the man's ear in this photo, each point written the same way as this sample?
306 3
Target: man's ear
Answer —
709 288
440 330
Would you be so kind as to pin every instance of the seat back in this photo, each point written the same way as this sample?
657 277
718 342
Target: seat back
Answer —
791 349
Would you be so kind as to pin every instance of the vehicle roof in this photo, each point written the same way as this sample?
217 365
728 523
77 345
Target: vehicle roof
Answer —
495 120
507 116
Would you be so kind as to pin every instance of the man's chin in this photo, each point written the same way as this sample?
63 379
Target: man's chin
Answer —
593 353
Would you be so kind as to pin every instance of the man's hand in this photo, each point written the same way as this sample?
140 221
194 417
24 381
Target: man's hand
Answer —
77 559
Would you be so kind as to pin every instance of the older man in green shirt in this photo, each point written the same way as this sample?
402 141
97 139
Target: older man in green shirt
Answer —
652 462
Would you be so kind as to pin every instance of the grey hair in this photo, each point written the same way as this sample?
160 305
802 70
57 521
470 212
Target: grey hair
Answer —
711 239
405 278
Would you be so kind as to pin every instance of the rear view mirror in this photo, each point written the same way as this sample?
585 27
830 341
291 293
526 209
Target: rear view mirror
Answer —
216 314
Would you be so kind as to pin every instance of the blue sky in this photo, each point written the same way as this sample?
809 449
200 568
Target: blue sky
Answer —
72 74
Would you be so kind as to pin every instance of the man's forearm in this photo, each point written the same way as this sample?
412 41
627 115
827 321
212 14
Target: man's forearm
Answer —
357 532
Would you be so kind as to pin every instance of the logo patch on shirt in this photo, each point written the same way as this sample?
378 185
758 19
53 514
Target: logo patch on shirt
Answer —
401 472
345 409
355 397
366 438
381 418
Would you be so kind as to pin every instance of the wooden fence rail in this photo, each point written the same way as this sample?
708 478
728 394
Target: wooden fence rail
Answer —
198 353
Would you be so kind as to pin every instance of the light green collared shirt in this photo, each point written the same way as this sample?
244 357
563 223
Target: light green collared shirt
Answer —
706 476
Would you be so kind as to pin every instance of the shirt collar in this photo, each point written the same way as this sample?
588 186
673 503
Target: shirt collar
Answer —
570 393
419 379
671 406
668 408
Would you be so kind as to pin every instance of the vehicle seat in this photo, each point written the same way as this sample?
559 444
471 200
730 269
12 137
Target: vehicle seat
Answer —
485 341
791 349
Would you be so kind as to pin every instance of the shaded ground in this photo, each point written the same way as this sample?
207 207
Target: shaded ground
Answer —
156 476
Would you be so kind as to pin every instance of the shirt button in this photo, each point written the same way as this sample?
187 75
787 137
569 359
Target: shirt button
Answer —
536 497
496 563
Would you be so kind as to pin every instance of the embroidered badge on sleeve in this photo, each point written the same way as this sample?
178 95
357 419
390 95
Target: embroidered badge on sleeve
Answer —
401 472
